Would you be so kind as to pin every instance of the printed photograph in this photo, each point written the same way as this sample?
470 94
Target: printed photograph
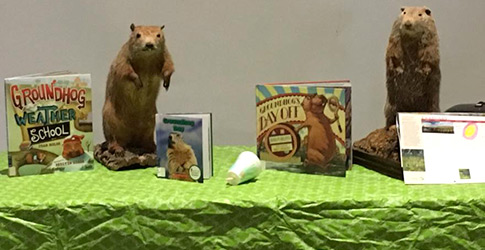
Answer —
413 160
464 174
437 127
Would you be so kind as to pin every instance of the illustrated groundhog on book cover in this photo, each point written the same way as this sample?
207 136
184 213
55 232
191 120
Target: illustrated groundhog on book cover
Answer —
72 147
304 128
320 141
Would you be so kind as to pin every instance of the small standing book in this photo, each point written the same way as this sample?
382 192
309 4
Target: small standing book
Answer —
184 146
305 127
49 123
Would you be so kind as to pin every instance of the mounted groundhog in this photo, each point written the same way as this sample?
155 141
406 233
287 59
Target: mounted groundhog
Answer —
132 89
412 60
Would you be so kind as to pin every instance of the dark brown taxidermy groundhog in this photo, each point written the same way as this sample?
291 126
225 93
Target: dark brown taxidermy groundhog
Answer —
132 89
412 60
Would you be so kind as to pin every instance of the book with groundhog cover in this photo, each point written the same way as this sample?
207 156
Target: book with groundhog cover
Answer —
305 127
184 146
49 123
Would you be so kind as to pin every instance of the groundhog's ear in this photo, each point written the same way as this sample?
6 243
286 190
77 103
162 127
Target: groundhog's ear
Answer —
163 26
132 27
428 12
402 9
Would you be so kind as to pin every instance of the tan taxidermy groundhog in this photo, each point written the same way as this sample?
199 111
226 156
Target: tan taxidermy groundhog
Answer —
132 89
412 60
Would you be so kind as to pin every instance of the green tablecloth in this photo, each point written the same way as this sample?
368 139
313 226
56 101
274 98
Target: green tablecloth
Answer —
103 209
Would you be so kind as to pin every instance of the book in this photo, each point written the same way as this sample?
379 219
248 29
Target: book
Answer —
305 127
49 123
184 146
441 148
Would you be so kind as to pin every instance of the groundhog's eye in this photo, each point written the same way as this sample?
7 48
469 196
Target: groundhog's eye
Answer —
420 14
138 35
404 13
158 35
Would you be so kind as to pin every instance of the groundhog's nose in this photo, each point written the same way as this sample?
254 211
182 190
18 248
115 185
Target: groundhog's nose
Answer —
408 25
149 45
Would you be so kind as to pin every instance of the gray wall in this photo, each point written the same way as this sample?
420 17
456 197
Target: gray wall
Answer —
223 48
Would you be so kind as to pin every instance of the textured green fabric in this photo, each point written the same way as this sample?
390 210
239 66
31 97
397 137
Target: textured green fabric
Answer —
103 209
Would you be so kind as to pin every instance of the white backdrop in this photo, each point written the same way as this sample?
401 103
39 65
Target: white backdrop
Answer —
222 48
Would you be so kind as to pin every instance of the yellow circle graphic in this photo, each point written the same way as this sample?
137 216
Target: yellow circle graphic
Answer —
470 131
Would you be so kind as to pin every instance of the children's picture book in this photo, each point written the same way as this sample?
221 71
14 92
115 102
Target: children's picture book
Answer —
305 127
442 148
184 146
49 123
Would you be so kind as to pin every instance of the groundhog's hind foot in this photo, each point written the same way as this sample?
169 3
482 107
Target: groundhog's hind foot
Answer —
116 149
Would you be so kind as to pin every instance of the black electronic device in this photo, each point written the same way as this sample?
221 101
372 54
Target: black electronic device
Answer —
478 107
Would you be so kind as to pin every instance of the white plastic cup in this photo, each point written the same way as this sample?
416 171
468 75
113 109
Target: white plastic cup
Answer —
247 167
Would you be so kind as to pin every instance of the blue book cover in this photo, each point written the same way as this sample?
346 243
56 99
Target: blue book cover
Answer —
183 147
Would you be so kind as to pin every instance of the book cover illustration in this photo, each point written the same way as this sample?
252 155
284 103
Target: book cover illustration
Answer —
305 127
49 123
180 148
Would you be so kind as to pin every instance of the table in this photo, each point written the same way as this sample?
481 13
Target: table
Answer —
103 209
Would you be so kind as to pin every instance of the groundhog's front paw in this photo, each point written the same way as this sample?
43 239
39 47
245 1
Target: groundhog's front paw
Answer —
166 85
136 79
166 80
180 169
425 70
399 69
138 83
